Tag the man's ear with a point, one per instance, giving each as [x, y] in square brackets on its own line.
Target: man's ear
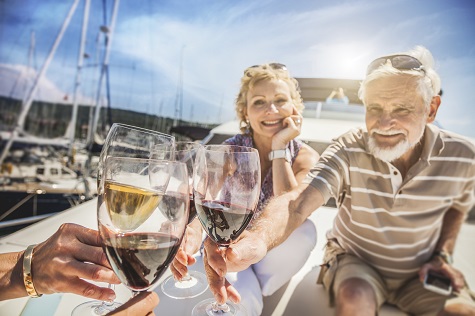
[433, 108]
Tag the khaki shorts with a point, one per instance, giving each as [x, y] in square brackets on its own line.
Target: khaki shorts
[409, 295]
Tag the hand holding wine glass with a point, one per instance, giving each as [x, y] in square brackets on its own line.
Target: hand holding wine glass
[123, 141]
[193, 283]
[142, 217]
[226, 184]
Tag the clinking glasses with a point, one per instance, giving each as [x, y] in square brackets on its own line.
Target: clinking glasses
[400, 62]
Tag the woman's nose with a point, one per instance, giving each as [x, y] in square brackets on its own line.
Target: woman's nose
[272, 108]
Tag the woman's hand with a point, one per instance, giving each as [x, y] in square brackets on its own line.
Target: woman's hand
[142, 304]
[72, 255]
[189, 246]
[292, 128]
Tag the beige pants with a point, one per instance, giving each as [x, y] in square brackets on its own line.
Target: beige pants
[409, 295]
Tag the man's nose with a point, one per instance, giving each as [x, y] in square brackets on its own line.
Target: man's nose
[386, 119]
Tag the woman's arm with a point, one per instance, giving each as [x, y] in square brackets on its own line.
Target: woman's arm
[286, 177]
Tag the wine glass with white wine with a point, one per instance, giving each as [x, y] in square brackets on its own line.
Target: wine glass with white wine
[124, 141]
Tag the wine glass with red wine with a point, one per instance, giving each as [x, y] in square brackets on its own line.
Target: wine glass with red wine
[194, 283]
[226, 186]
[142, 217]
[124, 141]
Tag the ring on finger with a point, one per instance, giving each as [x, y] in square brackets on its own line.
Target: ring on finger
[298, 121]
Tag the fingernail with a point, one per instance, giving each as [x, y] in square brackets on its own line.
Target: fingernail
[111, 297]
[236, 253]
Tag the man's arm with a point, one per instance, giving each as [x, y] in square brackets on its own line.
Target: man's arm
[451, 225]
[278, 220]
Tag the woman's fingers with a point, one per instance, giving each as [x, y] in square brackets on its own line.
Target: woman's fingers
[141, 304]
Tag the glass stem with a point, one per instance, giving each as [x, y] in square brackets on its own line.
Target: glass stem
[220, 307]
[186, 277]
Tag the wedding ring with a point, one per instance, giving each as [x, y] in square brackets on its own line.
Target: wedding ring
[298, 121]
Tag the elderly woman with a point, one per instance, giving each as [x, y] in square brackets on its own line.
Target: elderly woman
[268, 106]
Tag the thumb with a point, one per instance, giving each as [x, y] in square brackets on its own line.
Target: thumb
[141, 304]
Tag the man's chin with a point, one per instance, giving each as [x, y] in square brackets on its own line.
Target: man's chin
[389, 153]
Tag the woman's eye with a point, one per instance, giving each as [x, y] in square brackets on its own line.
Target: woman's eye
[259, 103]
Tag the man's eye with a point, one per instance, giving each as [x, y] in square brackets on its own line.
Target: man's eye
[402, 111]
[374, 109]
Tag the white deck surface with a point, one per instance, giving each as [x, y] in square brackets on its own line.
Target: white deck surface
[300, 297]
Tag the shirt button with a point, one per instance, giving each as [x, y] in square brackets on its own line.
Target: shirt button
[395, 173]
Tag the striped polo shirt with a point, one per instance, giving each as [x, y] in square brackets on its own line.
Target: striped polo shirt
[390, 222]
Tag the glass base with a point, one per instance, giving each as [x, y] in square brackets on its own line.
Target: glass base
[94, 308]
[196, 285]
[209, 307]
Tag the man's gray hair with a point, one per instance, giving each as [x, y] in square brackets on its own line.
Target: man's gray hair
[429, 80]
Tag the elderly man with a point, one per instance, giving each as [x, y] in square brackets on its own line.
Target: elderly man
[403, 188]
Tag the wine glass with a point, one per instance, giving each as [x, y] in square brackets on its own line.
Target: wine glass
[226, 186]
[124, 141]
[142, 217]
[193, 283]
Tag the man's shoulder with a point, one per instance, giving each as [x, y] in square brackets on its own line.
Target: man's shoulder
[355, 137]
[453, 140]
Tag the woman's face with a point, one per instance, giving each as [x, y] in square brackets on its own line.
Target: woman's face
[268, 103]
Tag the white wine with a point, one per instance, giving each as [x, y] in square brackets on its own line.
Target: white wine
[129, 206]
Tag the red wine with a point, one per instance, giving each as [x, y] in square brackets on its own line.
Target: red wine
[223, 222]
[192, 214]
[140, 259]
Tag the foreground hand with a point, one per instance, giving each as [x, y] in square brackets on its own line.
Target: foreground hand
[189, 246]
[142, 304]
[437, 265]
[248, 249]
[62, 262]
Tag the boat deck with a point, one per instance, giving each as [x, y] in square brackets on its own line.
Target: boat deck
[301, 296]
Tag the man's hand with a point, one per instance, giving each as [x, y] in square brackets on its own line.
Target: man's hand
[438, 265]
[246, 250]
[142, 304]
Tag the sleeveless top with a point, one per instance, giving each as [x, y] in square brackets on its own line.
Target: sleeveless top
[267, 190]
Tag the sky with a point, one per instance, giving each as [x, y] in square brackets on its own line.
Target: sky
[212, 42]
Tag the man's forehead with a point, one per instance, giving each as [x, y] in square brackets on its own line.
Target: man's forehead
[393, 86]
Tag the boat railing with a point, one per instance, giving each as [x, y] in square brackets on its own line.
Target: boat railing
[23, 201]
[23, 221]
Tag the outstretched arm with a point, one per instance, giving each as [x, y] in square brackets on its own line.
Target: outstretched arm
[279, 219]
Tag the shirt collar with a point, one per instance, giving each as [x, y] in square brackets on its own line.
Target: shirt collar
[433, 143]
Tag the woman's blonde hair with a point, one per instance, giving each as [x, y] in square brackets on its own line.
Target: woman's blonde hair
[256, 74]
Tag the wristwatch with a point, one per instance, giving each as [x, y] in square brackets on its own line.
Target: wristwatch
[444, 256]
[280, 153]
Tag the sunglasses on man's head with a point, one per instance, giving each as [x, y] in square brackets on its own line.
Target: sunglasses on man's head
[400, 62]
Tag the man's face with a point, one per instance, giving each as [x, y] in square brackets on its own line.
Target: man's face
[395, 116]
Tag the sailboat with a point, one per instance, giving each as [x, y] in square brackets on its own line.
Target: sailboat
[31, 189]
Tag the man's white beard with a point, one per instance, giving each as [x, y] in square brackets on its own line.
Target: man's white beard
[390, 154]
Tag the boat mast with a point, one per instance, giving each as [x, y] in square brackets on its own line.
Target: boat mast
[29, 100]
[105, 63]
[71, 131]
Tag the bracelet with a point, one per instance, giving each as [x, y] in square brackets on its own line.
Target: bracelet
[446, 257]
[27, 276]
